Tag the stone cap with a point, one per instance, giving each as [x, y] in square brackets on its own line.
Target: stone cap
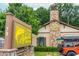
[7, 50]
[53, 7]
[9, 13]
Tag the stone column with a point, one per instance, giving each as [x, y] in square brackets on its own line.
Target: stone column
[8, 31]
[54, 15]
[54, 25]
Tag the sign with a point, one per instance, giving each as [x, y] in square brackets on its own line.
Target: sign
[22, 35]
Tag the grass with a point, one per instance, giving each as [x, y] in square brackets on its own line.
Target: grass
[47, 53]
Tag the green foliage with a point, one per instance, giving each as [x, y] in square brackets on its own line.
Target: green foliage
[46, 49]
[68, 13]
[36, 18]
[43, 14]
[26, 14]
[2, 24]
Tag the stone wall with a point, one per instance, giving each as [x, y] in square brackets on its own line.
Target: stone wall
[8, 52]
[54, 27]
[28, 51]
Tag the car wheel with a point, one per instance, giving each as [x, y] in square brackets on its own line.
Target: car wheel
[71, 53]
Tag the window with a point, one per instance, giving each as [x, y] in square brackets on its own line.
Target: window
[41, 41]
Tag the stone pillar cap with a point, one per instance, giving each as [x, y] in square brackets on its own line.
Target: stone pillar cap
[8, 49]
[9, 13]
[53, 7]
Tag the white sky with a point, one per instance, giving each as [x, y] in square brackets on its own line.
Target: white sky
[36, 5]
[3, 6]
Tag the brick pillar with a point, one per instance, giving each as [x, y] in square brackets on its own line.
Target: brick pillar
[54, 26]
[8, 31]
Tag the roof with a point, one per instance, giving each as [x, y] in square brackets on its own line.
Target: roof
[61, 23]
[70, 37]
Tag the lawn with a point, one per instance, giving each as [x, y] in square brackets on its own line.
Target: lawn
[47, 54]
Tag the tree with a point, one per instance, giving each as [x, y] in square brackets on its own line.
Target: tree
[43, 14]
[2, 24]
[26, 14]
[68, 13]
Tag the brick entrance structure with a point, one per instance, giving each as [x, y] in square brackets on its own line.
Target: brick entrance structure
[11, 46]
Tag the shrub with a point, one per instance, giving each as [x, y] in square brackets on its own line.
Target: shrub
[46, 49]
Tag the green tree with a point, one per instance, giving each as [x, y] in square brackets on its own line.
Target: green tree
[68, 13]
[43, 14]
[2, 24]
[26, 14]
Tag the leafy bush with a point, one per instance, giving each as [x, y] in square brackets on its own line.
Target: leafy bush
[46, 49]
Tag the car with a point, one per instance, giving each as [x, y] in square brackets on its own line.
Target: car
[1, 42]
[69, 46]
[70, 51]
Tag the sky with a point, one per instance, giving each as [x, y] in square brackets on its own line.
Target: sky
[36, 5]
[3, 6]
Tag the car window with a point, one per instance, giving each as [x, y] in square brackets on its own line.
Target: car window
[77, 45]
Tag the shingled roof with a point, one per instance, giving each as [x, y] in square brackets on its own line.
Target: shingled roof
[62, 23]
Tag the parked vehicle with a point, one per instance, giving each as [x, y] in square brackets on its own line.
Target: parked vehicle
[70, 51]
[1, 42]
[70, 47]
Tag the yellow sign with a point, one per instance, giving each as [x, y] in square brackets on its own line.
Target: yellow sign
[22, 36]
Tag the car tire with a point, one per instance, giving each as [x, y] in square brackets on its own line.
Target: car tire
[71, 53]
